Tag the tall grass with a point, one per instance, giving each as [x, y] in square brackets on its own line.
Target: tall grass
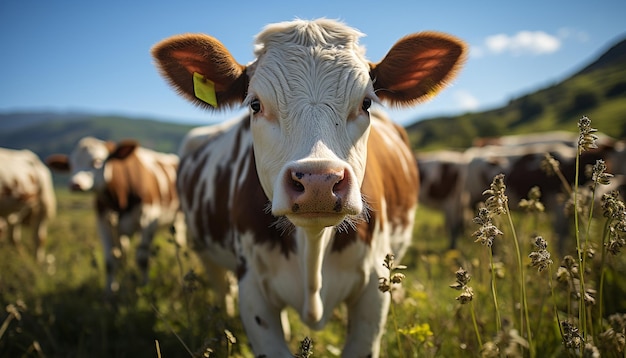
[575, 305]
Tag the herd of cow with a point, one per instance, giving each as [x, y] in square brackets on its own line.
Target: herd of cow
[454, 181]
[303, 198]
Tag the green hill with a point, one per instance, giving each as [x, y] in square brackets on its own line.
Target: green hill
[598, 91]
[47, 133]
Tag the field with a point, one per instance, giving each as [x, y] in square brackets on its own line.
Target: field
[58, 309]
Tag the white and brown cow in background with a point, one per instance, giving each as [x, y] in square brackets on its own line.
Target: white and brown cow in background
[26, 197]
[522, 167]
[304, 197]
[441, 188]
[134, 191]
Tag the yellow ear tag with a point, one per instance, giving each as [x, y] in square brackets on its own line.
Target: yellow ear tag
[204, 89]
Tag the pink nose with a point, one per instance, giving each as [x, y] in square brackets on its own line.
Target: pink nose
[321, 191]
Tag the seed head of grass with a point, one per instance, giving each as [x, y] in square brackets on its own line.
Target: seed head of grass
[533, 203]
[306, 348]
[550, 165]
[462, 278]
[591, 351]
[497, 201]
[584, 197]
[586, 138]
[490, 350]
[614, 338]
[571, 335]
[511, 342]
[384, 283]
[540, 257]
[487, 232]
[617, 240]
[599, 174]
[613, 207]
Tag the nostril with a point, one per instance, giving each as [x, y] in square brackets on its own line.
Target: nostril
[296, 184]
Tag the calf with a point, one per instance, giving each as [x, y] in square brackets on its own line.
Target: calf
[134, 191]
[26, 197]
[305, 195]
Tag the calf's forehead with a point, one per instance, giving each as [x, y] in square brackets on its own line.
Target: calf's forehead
[88, 150]
[310, 63]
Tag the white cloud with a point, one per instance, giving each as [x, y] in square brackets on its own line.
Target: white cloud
[465, 100]
[524, 42]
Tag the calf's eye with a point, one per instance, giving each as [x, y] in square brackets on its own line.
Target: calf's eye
[367, 103]
[255, 106]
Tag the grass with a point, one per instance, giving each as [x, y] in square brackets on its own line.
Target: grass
[57, 309]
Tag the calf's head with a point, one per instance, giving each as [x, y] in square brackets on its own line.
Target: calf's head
[309, 92]
[86, 162]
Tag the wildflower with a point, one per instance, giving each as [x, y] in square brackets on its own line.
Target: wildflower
[421, 332]
[541, 257]
[487, 232]
[571, 335]
[533, 204]
[586, 138]
[497, 200]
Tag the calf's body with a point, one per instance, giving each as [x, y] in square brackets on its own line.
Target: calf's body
[304, 197]
[26, 197]
[134, 191]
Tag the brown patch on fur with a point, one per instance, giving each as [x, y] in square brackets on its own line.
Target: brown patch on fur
[131, 184]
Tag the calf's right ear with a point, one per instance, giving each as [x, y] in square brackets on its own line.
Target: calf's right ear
[58, 162]
[198, 63]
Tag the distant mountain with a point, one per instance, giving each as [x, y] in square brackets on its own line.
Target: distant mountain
[597, 91]
[47, 133]
[616, 55]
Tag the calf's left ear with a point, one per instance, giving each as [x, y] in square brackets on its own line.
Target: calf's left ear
[123, 149]
[191, 61]
[58, 162]
[417, 67]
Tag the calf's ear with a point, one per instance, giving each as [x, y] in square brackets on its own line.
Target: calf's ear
[123, 149]
[417, 67]
[58, 162]
[202, 70]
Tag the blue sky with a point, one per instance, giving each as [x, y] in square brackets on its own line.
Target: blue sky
[94, 56]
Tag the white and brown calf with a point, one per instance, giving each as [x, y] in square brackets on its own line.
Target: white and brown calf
[134, 191]
[26, 197]
[305, 196]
